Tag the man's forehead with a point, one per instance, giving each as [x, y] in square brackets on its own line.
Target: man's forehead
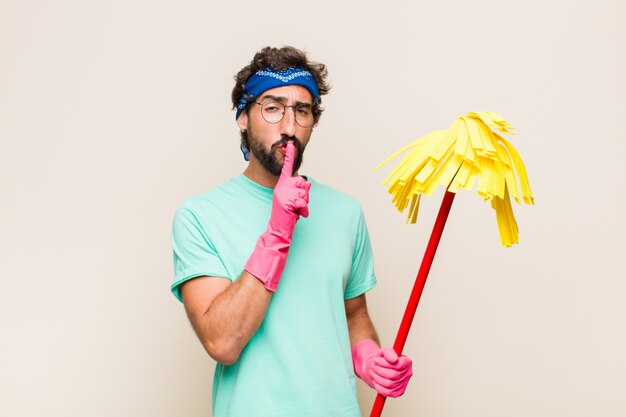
[287, 93]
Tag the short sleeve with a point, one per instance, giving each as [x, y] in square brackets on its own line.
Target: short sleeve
[362, 277]
[193, 251]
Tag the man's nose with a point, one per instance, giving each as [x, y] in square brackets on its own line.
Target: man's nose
[288, 124]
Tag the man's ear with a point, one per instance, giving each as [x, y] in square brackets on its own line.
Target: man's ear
[242, 120]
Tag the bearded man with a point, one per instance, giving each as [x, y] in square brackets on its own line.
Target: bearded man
[273, 266]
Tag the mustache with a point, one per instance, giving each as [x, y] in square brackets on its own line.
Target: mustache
[298, 145]
[284, 140]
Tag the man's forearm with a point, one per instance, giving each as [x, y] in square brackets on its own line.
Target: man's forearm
[233, 318]
[360, 327]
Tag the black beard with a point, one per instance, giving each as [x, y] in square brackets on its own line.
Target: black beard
[269, 160]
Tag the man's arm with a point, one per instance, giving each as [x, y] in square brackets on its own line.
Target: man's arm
[360, 325]
[225, 315]
[381, 369]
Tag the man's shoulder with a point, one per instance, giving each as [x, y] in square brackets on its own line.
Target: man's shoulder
[330, 195]
[211, 197]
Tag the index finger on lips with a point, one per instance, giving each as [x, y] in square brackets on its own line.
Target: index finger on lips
[287, 170]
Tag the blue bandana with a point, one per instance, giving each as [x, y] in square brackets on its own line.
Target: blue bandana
[267, 78]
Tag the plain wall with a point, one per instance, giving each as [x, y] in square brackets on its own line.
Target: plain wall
[113, 112]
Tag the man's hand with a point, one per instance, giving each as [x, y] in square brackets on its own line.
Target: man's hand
[291, 196]
[382, 369]
[290, 201]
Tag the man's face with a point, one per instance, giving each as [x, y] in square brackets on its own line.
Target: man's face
[268, 141]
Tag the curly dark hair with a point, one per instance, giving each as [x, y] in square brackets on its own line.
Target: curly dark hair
[280, 59]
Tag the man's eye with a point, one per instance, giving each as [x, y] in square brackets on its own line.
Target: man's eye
[304, 110]
[271, 109]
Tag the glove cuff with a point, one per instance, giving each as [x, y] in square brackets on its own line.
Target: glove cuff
[268, 259]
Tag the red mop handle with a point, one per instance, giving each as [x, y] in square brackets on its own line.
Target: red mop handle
[416, 293]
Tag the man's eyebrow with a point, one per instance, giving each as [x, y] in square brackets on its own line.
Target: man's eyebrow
[283, 99]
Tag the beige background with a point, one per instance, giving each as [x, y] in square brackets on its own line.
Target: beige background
[111, 113]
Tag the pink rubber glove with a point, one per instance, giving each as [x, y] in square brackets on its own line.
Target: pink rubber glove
[290, 201]
[382, 369]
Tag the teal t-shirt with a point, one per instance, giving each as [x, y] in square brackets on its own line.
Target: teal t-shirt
[298, 363]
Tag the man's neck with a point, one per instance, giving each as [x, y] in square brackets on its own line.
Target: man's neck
[261, 177]
[257, 173]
